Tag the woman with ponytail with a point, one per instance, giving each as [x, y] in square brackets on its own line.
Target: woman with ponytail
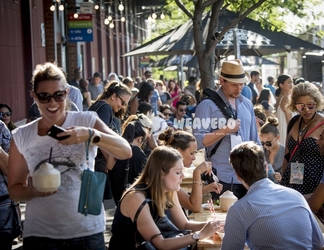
[284, 115]
[123, 173]
[114, 98]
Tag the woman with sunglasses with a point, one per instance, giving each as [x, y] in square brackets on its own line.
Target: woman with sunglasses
[114, 98]
[52, 219]
[273, 149]
[303, 166]
[185, 143]
[5, 114]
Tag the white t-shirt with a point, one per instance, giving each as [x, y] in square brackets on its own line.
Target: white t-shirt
[57, 216]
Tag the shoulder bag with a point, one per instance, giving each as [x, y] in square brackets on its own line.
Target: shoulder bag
[10, 223]
[92, 188]
[167, 229]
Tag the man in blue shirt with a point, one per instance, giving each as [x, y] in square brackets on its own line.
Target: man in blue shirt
[269, 216]
[255, 77]
[270, 85]
[210, 125]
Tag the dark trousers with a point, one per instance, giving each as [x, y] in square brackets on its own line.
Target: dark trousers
[238, 190]
[92, 242]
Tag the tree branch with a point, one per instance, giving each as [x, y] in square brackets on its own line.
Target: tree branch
[233, 23]
[183, 8]
[209, 3]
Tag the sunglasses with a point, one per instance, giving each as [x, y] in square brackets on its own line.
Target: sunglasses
[166, 114]
[58, 96]
[267, 143]
[182, 110]
[302, 106]
[124, 103]
[5, 113]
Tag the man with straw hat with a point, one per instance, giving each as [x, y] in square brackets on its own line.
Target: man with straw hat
[219, 133]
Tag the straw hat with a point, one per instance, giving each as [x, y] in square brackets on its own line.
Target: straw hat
[233, 71]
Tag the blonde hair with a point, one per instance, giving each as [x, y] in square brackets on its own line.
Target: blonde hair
[305, 89]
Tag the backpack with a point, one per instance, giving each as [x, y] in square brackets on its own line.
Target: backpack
[226, 110]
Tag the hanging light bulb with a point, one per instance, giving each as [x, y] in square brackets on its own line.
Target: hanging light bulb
[106, 21]
[76, 15]
[58, 1]
[121, 6]
[111, 25]
[96, 7]
[154, 16]
[162, 16]
[123, 19]
[150, 18]
[52, 8]
[109, 18]
[61, 7]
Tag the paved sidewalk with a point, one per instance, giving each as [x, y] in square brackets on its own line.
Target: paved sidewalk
[110, 211]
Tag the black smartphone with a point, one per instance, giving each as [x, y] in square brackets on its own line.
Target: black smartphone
[54, 130]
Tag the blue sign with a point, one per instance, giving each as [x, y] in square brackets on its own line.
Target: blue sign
[80, 34]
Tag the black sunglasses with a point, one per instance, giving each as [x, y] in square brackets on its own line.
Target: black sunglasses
[166, 114]
[182, 110]
[124, 103]
[267, 143]
[5, 113]
[58, 96]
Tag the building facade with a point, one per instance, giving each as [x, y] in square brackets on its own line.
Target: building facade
[32, 32]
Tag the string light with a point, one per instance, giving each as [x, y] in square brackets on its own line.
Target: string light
[123, 19]
[162, 16]
[96, 7]
[121, 6]
[52, 8]
[111, 25]
[154, 16]
[76, 15]
[61, 7]
[106, 21]
[109, 18]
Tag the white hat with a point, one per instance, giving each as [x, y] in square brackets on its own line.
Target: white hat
[233, 71]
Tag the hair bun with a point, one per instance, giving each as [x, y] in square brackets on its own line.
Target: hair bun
[273, 121]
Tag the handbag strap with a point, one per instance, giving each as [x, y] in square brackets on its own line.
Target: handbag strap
[147, 200]
[311, 131]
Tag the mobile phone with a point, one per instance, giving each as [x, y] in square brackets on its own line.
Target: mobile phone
[54, 130]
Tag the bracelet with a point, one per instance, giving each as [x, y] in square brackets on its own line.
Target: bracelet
[197, 182]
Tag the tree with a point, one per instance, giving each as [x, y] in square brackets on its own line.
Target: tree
[260, 10]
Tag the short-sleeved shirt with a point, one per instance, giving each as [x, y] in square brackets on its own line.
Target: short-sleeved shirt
[95, 91]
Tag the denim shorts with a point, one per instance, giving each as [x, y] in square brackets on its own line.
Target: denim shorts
[92, 242]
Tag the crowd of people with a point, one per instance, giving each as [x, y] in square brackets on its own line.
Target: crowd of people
[266, 147]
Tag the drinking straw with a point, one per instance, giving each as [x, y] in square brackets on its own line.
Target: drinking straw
[50, 156]
[232, 185]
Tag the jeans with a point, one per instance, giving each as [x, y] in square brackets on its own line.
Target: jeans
[92, 242]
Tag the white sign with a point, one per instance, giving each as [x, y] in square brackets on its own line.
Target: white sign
[86, 8]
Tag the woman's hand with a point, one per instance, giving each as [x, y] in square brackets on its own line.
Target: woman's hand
[204, 167]
[210, 229]
[35, 193]
[76, 135]
[277, 176]
[212, 187]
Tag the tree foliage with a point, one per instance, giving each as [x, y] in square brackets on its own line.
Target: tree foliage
[271, 14]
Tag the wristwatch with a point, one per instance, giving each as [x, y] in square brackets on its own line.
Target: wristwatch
[95, 139]
[195, 236]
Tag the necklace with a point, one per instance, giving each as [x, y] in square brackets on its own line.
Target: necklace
[307, 124]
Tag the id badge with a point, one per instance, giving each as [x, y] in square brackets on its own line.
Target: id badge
[296, 173]
[235, 140]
